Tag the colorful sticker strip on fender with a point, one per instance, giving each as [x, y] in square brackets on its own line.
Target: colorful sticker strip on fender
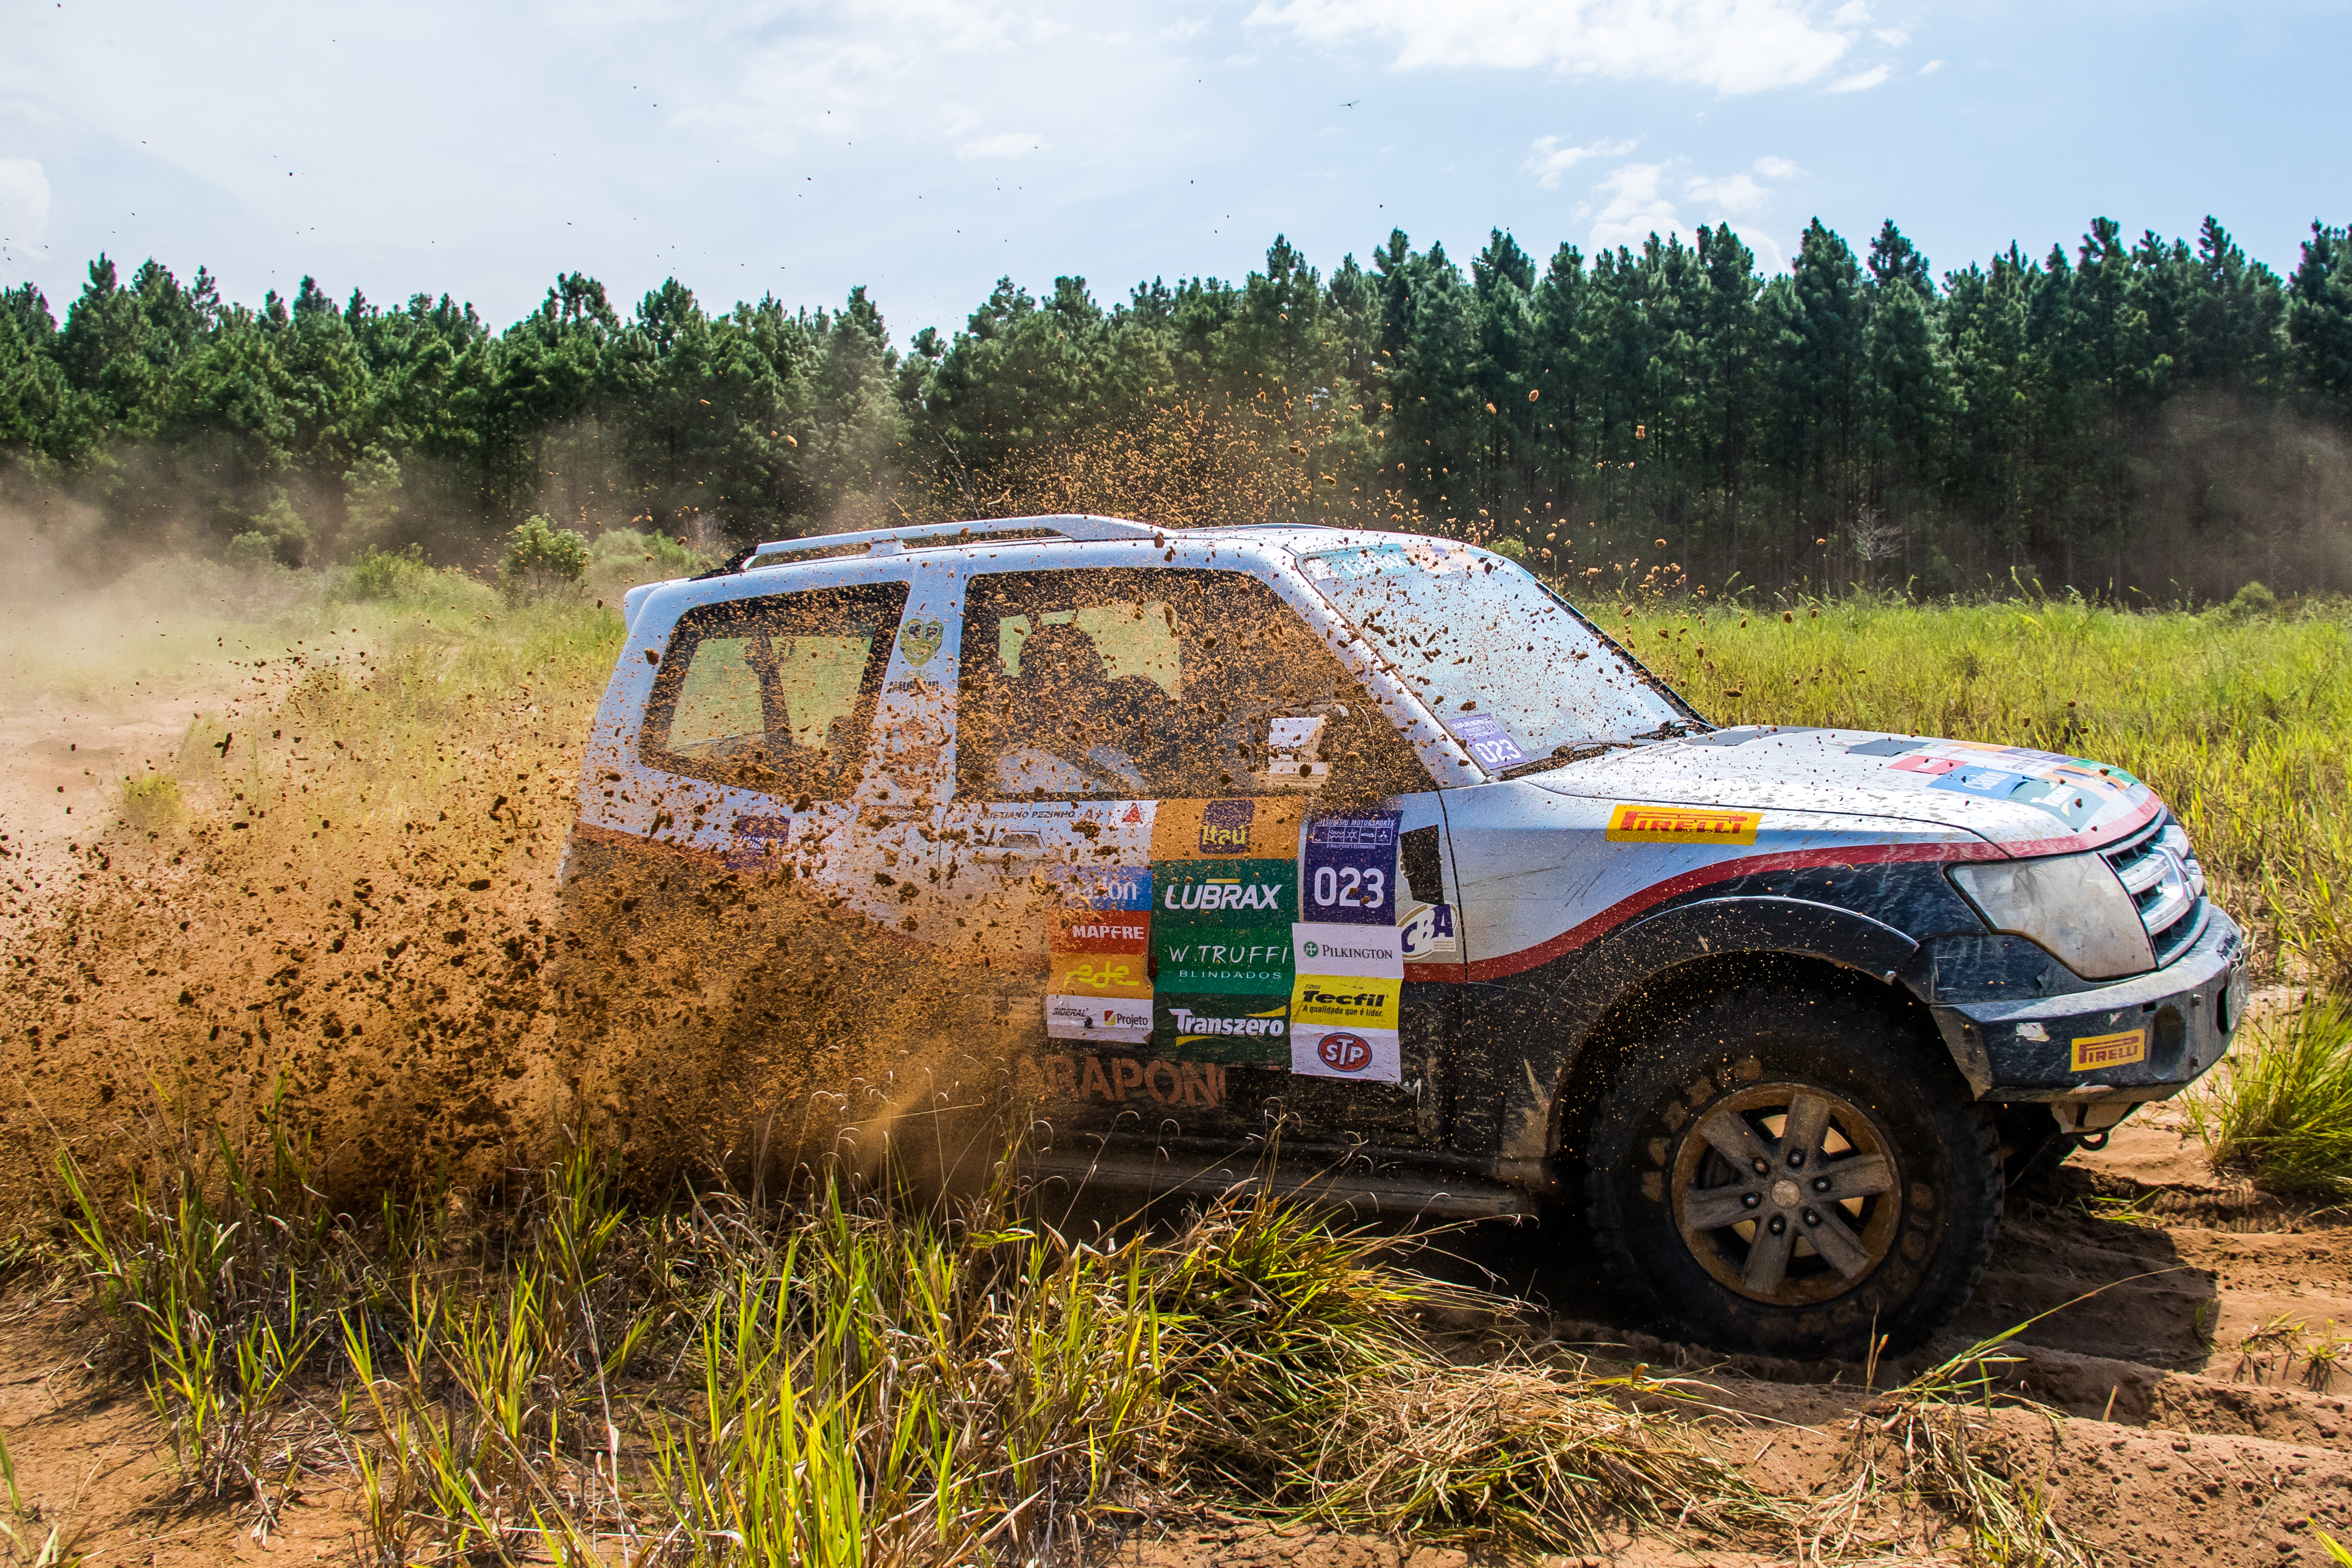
[1099, 983]
[1243, 1031]
[1682, 824]
[1350, 869]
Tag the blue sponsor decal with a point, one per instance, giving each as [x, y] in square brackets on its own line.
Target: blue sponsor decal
[1484, 737]
[1992, 783]
[1350, 869]
[1104, 887]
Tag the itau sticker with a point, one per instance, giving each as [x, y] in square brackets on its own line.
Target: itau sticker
[1225, 829]
[1350, 869]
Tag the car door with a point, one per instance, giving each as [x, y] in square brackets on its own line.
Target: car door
[1179, 834]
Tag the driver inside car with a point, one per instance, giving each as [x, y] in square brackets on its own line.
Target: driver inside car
[1062, 731]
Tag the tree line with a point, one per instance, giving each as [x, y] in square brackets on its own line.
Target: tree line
[2153, 417]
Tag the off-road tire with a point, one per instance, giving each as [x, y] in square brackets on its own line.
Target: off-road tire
[1729, 1057]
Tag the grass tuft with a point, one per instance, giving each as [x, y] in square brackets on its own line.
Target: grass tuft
[2278, 1108]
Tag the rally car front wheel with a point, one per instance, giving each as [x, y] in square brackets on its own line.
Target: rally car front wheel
[1792, 1173]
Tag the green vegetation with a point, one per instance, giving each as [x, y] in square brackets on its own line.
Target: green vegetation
[541, 559]
[2149, 420]
[842, 1379]
[2279, 1109]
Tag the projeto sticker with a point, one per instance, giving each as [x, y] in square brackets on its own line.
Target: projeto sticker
[1350, 869]
[1372, 1055]
[1112, 1020]
[1371, 952]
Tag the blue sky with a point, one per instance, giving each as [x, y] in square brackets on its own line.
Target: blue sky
[927, 147]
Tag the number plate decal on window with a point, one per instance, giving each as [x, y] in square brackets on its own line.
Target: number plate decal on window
[1486, 740]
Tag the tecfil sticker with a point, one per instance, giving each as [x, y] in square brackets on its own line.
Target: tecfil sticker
[1350, 869]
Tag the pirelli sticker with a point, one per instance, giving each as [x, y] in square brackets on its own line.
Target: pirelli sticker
[1682, 824]
[2094, 1052]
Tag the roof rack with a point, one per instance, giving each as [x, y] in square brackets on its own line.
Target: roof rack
[1077, 526]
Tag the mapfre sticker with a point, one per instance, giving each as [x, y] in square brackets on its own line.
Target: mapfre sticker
[1681, 825]
[2093, 1052]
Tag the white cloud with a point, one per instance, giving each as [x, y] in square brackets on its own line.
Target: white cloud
[1862, 81]
[1548, 160]
[1634, 207]
[1009, 144]
[1635, 203]
[1931, 67]
[1734, 196]
[24, 200]
[1892, 37]
[1732, 46]
[1853, 14]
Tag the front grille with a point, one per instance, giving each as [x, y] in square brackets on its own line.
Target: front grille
[2160, 872]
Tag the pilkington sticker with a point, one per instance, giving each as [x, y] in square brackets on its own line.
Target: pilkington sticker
[2093, 1052]
[1682, 824]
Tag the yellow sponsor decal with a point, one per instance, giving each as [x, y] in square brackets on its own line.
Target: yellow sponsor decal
[2093, 1052]
[1682, 824]
[1237, 829]
[1345, 1002]
[1101, 974]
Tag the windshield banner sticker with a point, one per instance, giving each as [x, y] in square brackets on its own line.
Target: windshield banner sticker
[1350, 869]
[1682, 824]
[1484, 738]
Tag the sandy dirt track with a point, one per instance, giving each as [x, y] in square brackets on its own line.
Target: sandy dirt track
[2206, 1454]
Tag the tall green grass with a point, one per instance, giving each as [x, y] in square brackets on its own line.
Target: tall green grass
[2278, 1108]
[2242, 724]
[845, 1379]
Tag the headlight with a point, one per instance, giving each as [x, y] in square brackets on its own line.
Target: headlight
[2070, 904]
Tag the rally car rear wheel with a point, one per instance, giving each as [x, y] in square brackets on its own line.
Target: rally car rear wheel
[1794, 1174]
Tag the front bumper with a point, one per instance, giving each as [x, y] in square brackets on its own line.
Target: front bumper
[2184, 1014]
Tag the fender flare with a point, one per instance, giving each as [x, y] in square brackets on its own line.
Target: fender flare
[1631, 958]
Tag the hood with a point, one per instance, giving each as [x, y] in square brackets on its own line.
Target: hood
[2028, 802]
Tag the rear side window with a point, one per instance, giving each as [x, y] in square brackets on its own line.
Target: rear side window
[775, 694]
[1115, 682]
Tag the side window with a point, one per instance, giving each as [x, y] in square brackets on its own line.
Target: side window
[1117, 682]
[775, 694]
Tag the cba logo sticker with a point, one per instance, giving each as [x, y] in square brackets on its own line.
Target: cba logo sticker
[1344, 1052]
[1225, 826]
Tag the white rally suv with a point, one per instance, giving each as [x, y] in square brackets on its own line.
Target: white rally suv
[1367, 856]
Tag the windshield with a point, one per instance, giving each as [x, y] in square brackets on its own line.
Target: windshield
[1503, 662]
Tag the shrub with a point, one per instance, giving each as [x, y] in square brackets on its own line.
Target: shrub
[251, 551]
[543, 559]
[621, 558]
[281, 528]
[2252, 601]
[151, 799]
[382, 574]
[2280, 1110]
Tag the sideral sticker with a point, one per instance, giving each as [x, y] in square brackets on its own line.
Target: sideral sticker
[1334, 950]
[1367, 1055]
[1682, 824]
[1110, 1020]
[2093, 1052]
[1427, 933]
[1350, 869]
[1484, 737]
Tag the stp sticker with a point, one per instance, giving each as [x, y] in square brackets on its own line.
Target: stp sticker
[2093, 1052]
[1367, 1055]
[1682, 824]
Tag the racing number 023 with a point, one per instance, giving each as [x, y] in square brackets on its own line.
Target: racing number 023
[1349, 888]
